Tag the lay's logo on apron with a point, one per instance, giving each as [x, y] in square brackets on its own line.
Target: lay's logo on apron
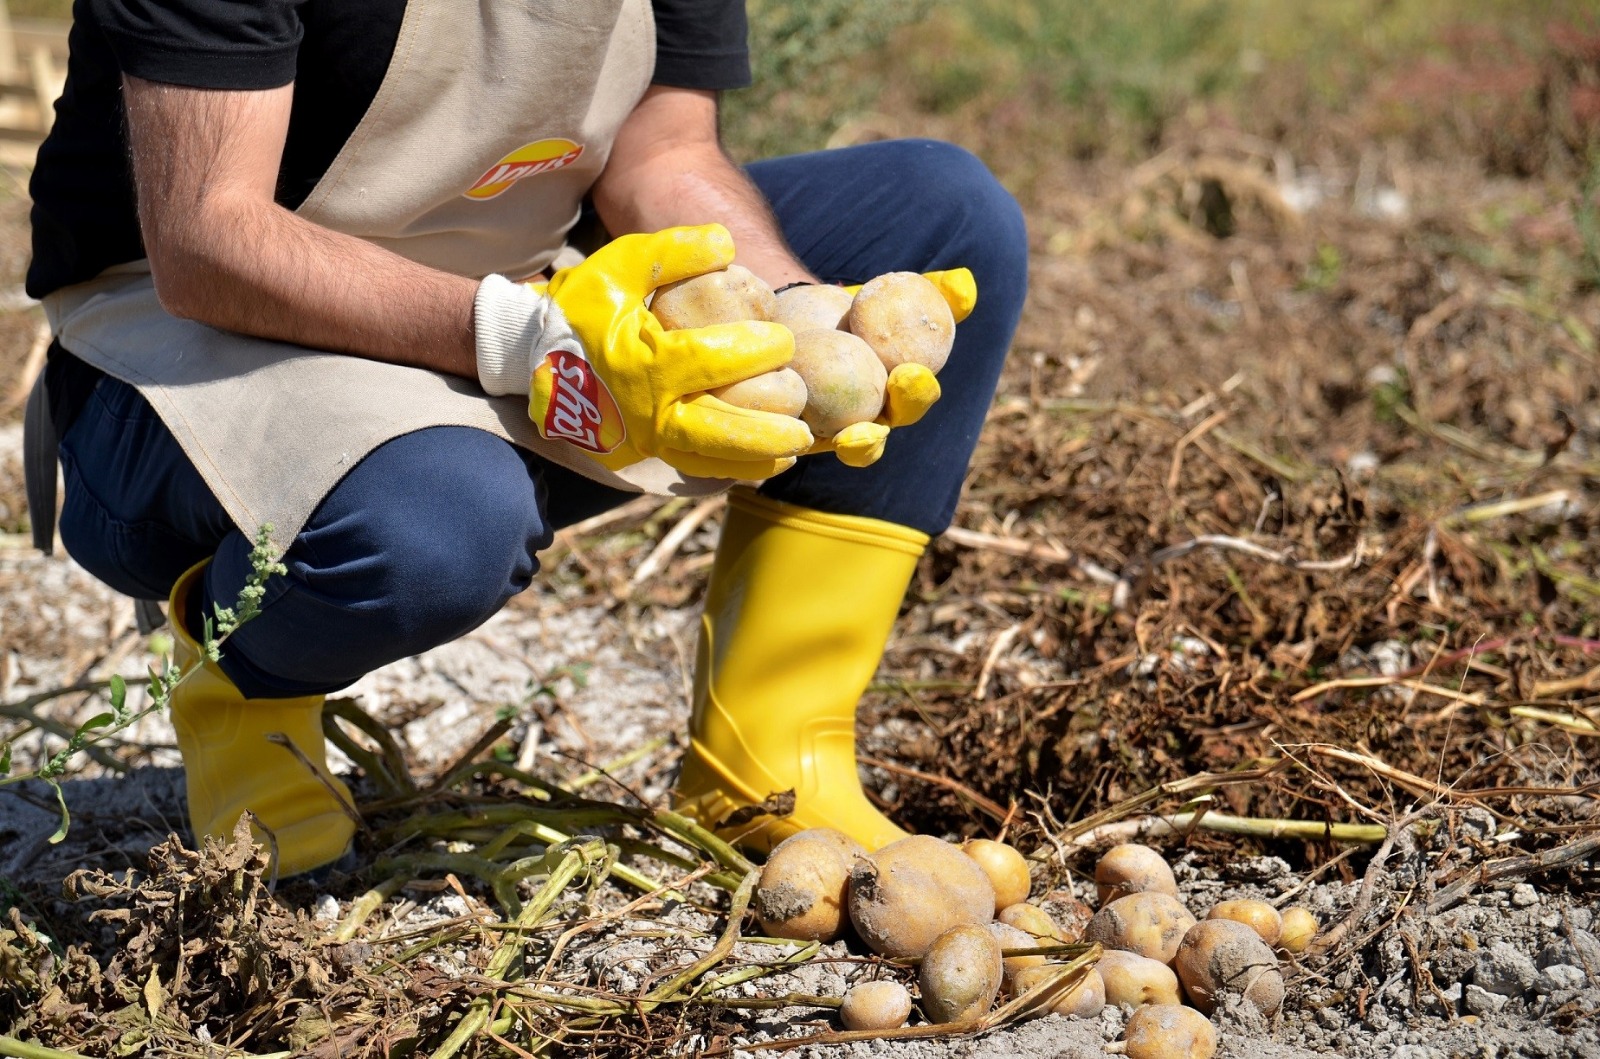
[541, 156]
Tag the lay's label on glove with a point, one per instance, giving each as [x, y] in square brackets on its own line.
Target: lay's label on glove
[570, 403]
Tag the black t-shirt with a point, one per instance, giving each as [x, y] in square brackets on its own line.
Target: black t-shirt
[335, 51]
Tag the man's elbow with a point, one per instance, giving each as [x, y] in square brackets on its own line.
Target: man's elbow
[176, 292]
[187, 273]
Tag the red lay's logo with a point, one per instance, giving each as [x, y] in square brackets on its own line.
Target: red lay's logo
[542, 156]
[578, 407]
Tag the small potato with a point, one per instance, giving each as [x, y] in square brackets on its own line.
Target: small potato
[1010, 937]
[724, 297]
[1006, 868]
[782, 391]
[1132, 980]
[844, 381]
[808, 308]
[1150, 924]
[1299, 927]
[1033, 921]
[801, 892]
[1257, 915]
[1070, 915]
[1132, 869]
[911, 891]
[960, 974]
[1220, 957]
[1170, 1031]
[1085, 999]
[905, 320]
[875, 1006]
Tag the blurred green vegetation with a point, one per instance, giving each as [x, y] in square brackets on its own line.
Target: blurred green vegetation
[809, 60]
[1082, 78]
[40, 8]
[1092, 76]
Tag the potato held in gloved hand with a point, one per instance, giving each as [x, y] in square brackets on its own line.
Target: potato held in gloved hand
[865, 357]
[605, 376]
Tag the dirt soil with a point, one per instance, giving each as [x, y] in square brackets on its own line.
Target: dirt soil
[1290, 486]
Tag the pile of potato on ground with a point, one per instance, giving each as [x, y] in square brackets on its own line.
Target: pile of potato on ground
[963, 913]
[845, 345]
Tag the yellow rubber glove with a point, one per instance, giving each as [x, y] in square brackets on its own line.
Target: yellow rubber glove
[603, 375]
[912, 389]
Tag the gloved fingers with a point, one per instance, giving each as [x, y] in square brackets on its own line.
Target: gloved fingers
[697, 359]
[859, 444]
[959, 289]
[719, 430]
[911, 391]
[698, 466]
[638, 264]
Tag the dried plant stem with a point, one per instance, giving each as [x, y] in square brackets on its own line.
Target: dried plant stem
[500, 964]
[1514, 868]
[23, 1050]
[1182, 823]
[1189, 785]
[390, 765]
[662, 554]
[361, 908]
[989, 807]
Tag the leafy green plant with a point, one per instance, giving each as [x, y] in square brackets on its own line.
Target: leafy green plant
[162, 684]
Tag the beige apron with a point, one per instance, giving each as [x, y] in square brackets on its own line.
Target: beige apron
[473, 158]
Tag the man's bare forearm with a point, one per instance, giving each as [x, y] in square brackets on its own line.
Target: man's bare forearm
[284, 278]
[698, 185]
[224, 253]
[667, 169]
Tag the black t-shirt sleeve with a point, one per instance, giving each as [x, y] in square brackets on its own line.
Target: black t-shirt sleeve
[701, 44]
[228, 44]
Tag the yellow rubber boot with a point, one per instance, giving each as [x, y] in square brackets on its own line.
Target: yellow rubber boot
[230, 765]
[797, 615]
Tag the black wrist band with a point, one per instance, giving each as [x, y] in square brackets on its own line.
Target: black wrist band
[796, 283]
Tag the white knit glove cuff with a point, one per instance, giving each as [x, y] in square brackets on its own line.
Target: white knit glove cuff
[509, 320]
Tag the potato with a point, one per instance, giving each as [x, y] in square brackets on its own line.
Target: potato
[1006, 868]
[817, 305]
[782, 391]
[905, 320]
[1132, 980]
[1150, 924]
[1257, 915]
[1299, 927]
[801, 892]
[1010, 937]
[1132, 869]
[875, 1006]
[848, 847]
[844, 381]
[1084, 999]
[1220, 957]
[960, 974]
[724, 297]
[1033, 921]
[911, 891]
[1070, 915]
[1170, 1031]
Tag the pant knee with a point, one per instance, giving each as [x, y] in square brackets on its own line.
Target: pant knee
[425, 540]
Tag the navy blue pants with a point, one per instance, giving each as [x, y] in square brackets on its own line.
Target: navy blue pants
[433, 532]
